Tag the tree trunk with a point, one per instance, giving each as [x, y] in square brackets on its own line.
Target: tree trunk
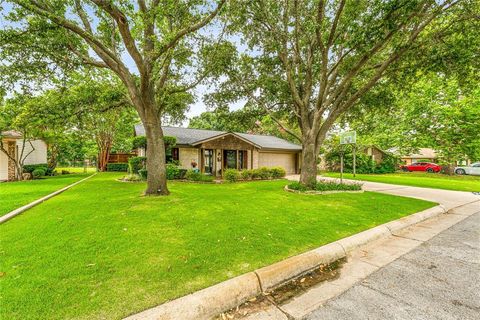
[156, 171]
[308, 176]
[53, 157]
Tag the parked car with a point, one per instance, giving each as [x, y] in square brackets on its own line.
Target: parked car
[422, 166]
[473, 169]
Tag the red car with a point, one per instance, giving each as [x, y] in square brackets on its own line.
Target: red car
[422, 166]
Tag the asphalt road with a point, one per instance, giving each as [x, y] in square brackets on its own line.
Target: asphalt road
[438, 280]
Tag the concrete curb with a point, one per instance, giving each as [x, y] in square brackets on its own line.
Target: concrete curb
[17, 211]
[210, 302]
[206, 303]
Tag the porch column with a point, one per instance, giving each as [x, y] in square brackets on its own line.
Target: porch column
[11, 148]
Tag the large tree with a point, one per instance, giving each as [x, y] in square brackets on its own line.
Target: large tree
[315, 59]
[158, 37]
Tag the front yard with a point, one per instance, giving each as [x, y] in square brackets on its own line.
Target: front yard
[99, 251]
[16, 194]
[419, 179]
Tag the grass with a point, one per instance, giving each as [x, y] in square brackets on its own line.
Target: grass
[16, 194]
[100, 250]
[419, 179]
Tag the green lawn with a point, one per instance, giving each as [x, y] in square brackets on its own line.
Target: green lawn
[101, 251]
[419, 179]
[16, 194]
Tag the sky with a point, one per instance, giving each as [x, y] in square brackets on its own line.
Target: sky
[196, 108]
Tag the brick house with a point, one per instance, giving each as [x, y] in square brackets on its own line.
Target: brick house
[213, 151]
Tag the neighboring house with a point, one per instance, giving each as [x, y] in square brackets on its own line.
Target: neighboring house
[213, 151]
[13, 143]
[424, 154]
[375, 153]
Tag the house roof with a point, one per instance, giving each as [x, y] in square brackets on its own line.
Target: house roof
[423, 153]
[189, 136]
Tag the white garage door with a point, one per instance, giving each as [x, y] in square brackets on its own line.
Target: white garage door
[284, 160]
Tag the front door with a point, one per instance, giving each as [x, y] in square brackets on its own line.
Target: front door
[208, 161]
[230, 159]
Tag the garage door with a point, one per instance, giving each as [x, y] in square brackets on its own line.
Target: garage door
[284, 160]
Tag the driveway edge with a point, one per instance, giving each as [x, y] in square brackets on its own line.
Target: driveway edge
[211, 301]
[17, 211]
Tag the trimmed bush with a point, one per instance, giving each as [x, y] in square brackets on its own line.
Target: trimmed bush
[326, 186]
[277, 172]
[182, 173]
[231, 175]
[65, 172]
[122, 167]
[173, 171]
[135, 164]
[194, 175]
[264, 173]
[143, 174]
[31, 167]
[246, 174]
[37, 173]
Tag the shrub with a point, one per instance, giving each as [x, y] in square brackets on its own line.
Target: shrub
[31, 167]
[231, 175]
[277, 172]
[182, 173]
[264, 173]
[39, 172]
[326, 186]
[117, 167]
[143, 174]
[246, 174]
[173, 171]
[255, 173]
[194, 175]
[297, 186]
[65, 172]
[135, 164]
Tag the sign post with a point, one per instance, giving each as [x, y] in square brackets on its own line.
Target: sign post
[349, 137]
[341, 165]
[354, 159]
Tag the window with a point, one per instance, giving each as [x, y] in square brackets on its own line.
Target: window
[208, 161]
[172, 155]
[242, 159]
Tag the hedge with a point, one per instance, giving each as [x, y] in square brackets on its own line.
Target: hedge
[123, 167]
[31, 167]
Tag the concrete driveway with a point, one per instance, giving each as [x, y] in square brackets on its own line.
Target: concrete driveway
[449, 199]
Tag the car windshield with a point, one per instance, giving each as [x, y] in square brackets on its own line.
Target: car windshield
[476, 165]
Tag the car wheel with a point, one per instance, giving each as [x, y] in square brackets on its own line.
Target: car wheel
[460, 171]
[404, 169]
[430, 170]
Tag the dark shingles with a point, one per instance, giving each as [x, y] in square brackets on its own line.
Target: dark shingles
[188, 136]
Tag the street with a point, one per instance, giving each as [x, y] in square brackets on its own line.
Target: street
[440, 279]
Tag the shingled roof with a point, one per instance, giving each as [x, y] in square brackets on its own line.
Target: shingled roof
[189, 136]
